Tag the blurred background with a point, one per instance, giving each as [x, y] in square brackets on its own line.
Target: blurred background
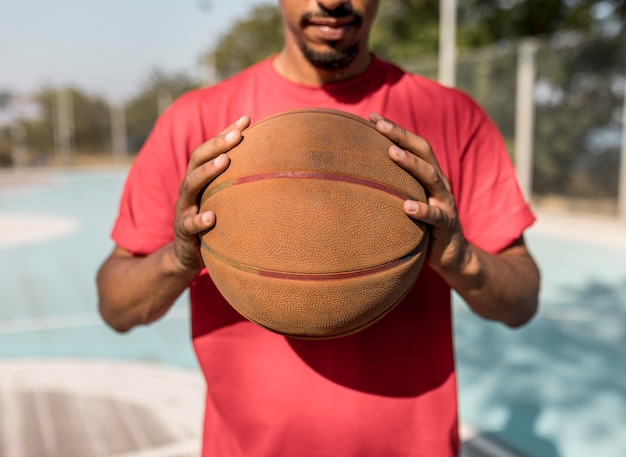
[81, 84]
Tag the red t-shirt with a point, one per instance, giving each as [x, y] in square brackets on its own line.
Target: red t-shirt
[389, 390]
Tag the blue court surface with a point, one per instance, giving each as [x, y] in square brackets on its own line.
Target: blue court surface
[555, 388]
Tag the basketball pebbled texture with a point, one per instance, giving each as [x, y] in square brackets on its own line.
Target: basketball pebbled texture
[311, 239]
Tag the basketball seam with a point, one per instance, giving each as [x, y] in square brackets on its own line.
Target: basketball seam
[324, 111]
[313, 336]
[310, 175]
[316, 276]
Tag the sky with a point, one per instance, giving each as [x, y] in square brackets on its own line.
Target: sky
[107, 47]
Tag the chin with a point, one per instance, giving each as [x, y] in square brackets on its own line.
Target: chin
[331, 59]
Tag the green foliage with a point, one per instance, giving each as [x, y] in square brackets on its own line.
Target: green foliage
[406, 30]
[484, 22]
[40, 131]
[157, 92]
[578, 105]
[489, 75]
[578, 118]
[248, 41]
[91, 123]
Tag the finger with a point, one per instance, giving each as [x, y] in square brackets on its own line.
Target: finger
[223, 142]
[429, 214]
[197, 223]
[405, 139]
[431, 178]
[195, 180]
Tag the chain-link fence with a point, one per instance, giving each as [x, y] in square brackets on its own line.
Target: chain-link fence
[577, 102]
[579, 98]
[574, 128]
[66, 126]
[578, 107]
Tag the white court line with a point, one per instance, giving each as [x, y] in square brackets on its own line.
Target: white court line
[598, 230]
[474, 444]
[96, 439]
[23, 229]
[134, 428]
[45, 422]
[49, 323]
[174, 396]
[11, 423]
[564, 315]
[580, 315]
[61, 322]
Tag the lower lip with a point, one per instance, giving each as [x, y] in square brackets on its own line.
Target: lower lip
[332, 33]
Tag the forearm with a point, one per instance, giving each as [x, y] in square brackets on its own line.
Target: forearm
[501, 287]
[136, 290]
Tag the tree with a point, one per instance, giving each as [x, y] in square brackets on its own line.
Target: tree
[248, 41]
[578, 116]
[483, 22]
[40, 130]
[90, 123]
[158, 91]
[407, 31]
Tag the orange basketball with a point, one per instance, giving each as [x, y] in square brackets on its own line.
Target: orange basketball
[311, 239]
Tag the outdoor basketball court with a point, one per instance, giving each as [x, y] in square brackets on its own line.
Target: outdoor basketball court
[69, 386]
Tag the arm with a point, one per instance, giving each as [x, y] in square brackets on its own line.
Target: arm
[502, 287]
[136, 290]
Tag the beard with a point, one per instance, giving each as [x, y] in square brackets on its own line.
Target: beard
[335, 59]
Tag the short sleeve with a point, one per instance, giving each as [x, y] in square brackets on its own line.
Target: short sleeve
[492, 209]
[147, 207]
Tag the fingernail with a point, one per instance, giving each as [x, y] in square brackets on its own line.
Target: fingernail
[220, 159]
[397, 152]
[206, 218]
[232, 135]
[410, 206]
[385, 125]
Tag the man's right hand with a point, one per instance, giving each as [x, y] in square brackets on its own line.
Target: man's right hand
[136, 290]
[206, 162]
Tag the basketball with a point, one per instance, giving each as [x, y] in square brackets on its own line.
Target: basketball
[311, 239]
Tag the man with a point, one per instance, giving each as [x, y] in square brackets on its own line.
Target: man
[388, 390]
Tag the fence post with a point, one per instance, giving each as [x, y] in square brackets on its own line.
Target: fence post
[447, 42]
[525, 114]
[64, 126]
[118, 130]
[19, 145]
[164, 99]
[621, 197]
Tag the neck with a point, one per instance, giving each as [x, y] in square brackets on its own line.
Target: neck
[293, 65]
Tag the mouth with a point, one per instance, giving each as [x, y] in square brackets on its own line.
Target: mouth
[332, 28]
[331, 21]
[331, 32]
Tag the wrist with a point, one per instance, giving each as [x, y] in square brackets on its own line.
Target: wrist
[464, 269]
[176, 263]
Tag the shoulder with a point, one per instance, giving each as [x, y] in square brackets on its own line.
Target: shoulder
[403, 80]
[214, 107]
[224, 88]
[445, 96]
[430, 108]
